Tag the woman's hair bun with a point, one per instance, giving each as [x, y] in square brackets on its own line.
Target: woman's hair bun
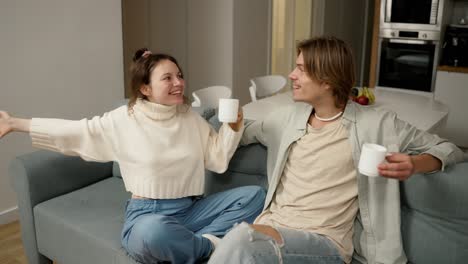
[139, 53]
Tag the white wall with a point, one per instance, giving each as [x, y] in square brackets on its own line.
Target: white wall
[251, 45]
[451, 89]
[59, 58]
[227, 43]
[168, 29]
[209, 43]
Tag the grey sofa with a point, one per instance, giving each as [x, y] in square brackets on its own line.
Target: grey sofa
[72, 211]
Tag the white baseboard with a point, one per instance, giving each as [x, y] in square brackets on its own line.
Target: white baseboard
[9, 215]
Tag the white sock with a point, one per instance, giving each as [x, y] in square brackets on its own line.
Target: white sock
[213, 239]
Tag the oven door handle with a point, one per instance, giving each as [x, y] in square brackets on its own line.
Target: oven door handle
[409, 41]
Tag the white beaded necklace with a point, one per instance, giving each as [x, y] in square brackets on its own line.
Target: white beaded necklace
[328, 119]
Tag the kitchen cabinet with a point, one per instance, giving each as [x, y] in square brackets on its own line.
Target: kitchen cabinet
[452, 89]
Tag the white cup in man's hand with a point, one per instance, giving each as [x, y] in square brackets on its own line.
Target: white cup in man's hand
[228, 110]
[371, 156]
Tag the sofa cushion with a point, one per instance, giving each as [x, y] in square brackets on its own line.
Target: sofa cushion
[435, 216]
[85, 225]
[214, 121]
[251, 159]
[116, 170]
[205, 112]
[247, 167]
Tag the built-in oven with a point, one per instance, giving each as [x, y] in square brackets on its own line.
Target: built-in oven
[408, 59]
[412, 14]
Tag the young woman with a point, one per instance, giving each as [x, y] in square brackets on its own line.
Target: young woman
[163, 149]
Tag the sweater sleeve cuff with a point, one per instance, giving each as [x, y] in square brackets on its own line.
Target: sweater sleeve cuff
[40, 135]
[232, 138]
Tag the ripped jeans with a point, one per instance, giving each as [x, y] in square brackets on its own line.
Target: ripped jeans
[157, 230]
[245, 245]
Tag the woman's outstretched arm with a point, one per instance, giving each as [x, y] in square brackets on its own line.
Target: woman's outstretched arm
[11, 124]
[91, 139]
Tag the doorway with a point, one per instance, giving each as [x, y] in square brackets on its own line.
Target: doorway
[291, 23]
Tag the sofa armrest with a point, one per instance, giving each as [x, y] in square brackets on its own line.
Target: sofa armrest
[43, 175]
[434, 216]
[441, 194]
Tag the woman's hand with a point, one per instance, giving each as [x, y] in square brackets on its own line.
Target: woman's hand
[9, 124]
[5, 124]
[240, 121]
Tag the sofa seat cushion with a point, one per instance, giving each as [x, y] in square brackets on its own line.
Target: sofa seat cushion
[84, 226]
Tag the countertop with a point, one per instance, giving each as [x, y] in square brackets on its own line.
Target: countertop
[452, 69]
[422, 111]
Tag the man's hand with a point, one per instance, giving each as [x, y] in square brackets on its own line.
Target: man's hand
[5, 125]
[400, 166]
[240, 120]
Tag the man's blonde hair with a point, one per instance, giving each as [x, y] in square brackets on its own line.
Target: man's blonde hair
[330, 60]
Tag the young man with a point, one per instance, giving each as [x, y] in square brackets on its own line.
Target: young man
[319, 208]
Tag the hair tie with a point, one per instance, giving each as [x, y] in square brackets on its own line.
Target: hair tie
[146, 54]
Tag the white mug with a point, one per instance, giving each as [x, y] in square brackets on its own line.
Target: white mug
[228, 110]
[371, 156]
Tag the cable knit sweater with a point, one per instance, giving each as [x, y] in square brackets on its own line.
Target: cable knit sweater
[162, 150]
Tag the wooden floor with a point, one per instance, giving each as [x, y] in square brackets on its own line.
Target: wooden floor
[11, 246]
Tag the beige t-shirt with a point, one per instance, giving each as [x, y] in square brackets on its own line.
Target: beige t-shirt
[318, 189]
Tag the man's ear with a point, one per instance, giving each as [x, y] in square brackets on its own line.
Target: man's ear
[145, 90]
[326, 86]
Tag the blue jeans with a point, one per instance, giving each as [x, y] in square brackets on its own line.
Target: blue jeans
[243, 245]
[157, 230]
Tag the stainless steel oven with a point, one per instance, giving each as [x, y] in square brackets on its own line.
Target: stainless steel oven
[408, 59]
[412, 14]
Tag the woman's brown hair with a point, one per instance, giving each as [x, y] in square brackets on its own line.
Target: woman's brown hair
[143, 65]
[330, 60]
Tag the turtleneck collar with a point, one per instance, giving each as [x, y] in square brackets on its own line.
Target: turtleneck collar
[155, 111]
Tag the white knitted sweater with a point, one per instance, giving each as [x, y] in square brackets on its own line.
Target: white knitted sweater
[162, 151]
